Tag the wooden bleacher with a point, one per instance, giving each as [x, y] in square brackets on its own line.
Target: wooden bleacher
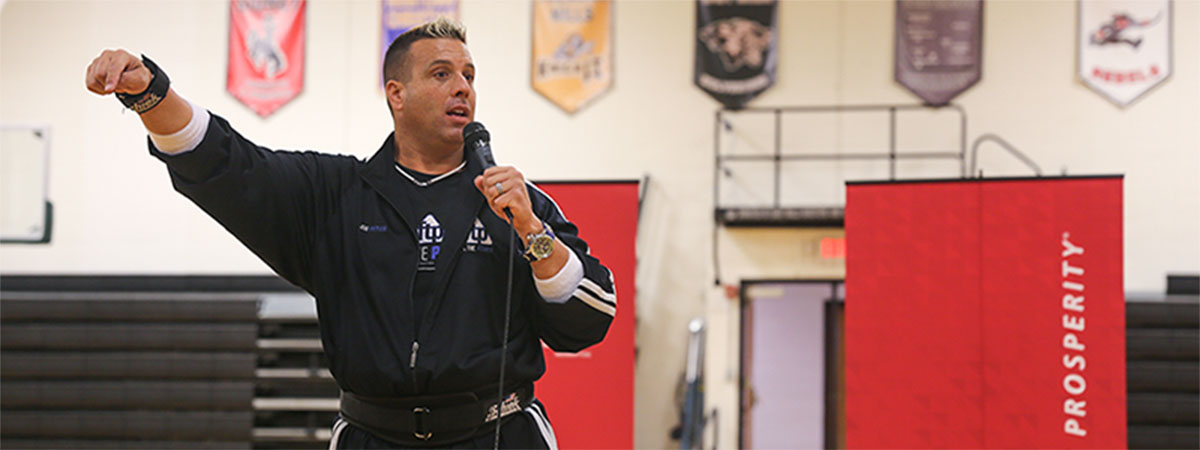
[1162, 346]
[161, 362]
[295, 399]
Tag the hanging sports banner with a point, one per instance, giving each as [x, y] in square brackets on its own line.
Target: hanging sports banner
[572, 51]
[401, 15]
[1124, 47]
[938, 47]
[736, 49]
[266, 53]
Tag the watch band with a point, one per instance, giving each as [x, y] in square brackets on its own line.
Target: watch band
[540, 245]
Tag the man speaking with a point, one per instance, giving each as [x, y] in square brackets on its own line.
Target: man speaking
[410, 270]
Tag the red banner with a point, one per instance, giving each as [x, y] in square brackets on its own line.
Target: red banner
[266, 53]
[985, 314]
[589, 394]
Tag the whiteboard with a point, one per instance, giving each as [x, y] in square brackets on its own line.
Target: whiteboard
[24, 161]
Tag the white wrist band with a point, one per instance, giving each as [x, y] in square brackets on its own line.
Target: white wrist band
[186, 139]
[558, 288]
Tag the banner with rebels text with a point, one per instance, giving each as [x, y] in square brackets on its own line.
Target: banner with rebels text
[737, 49]
[401, 15]
[1124, 47]
[266, 53]
[572, 51]
[985, 314]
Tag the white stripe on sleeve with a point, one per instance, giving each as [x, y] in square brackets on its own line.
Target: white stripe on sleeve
[586, 297]
[597, 291]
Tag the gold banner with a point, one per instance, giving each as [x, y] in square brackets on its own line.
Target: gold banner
[572, 51]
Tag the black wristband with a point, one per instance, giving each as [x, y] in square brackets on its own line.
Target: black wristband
[154, 93]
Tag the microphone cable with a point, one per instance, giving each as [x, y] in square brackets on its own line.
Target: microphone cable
[477, 145]
[512, 244]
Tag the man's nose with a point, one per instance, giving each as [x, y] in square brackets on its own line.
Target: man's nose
[462, 87]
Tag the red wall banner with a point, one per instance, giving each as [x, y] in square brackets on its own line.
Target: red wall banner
[266, 53]
[589, 394]
[985, 314]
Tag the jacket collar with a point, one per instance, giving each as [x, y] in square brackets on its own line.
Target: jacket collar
[381, 165]
[380, 173]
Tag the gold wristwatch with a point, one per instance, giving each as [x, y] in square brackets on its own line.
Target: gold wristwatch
[540, 245]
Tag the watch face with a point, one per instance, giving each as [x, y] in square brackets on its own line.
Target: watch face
[541, 246]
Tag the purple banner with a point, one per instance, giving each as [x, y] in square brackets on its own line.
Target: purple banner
[401, 15]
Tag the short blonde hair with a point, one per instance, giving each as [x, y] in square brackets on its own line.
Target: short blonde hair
[440, 28]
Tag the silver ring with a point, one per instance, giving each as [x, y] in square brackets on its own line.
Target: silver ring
[499, 189]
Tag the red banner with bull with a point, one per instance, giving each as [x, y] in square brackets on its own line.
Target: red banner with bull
[266, 53]
[1124, 47]
[985, 314]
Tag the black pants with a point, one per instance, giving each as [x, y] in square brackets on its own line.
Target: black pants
[528, 429]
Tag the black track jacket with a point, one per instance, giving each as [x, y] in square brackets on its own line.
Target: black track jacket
[332, 225]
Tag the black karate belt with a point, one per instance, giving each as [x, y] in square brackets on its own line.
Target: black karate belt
[430, 421]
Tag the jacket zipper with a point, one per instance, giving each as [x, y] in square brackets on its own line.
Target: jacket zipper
[412, 359]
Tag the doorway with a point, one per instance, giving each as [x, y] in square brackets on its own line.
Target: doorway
[791, 371]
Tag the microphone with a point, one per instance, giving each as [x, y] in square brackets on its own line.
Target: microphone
[477, 143]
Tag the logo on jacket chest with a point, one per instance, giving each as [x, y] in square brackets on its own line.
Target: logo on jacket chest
[429, 241]
[478, 240]
[372, 228]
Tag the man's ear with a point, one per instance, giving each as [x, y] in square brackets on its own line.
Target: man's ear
[394, 90]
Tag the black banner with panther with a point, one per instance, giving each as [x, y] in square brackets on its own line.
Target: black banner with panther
[736, 49]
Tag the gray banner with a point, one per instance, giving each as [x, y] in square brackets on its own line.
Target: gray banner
[938, 47]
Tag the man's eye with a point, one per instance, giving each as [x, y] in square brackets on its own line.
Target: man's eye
[470, 77]
[441, 74]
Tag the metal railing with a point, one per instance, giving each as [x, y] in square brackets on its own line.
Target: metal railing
[890, 154]
[989, 137]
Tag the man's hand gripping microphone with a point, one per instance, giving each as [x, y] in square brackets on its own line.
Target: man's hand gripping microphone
[477, 143]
